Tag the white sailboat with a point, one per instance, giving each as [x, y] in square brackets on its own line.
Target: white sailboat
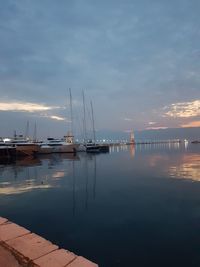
[91, 145]
[64, 145]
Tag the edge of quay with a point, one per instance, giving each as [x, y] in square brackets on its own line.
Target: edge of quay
[31, 250]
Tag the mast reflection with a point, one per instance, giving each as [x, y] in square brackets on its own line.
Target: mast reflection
[79, 181]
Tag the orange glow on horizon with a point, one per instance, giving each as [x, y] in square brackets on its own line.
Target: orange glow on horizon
[191, 124]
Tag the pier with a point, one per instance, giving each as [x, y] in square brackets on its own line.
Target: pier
[21, 248]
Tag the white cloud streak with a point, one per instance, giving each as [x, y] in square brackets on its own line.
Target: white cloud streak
[157, 128]
[58, 118]
[24, 107]
[128, 119]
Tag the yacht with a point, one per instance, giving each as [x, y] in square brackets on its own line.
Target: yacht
[60, 145]
[45, 149]
[93, 147]
[24, 147]
[195, 142]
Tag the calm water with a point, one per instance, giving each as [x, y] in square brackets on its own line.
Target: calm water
[131, 207]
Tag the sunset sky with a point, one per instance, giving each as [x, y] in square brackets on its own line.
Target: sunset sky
[137, 60]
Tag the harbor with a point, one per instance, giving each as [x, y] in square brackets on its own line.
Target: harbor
[17, 147]
[100, 133]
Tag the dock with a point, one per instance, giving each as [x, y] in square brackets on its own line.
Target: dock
[21, 248]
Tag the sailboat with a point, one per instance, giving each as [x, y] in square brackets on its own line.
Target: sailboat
[64, 145]
[91, 145]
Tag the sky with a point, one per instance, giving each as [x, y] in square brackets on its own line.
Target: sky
[138, 61]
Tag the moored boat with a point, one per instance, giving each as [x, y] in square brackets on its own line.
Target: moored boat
[61, 146]
[44, 149]
[23, 147]
[26, 148]
[196, 142]
[92, 147]
[104, 147]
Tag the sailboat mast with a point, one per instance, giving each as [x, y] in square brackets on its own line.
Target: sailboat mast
[27, 131]
[35, 133]
[84, 119]
[93, 128]
[71, 112]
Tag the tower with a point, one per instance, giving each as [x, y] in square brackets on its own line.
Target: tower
[132, 138]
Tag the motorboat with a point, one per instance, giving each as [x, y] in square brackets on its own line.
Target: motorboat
[23, 147]
[196, 142]
[60, 146]
[92, 147]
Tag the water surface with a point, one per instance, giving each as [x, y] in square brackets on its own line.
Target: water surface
[135, 206]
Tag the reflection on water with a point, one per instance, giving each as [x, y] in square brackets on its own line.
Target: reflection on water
[46, 171]
[132, 150]
[30, 173]
[134, 203]
[148, 147]
[187, 168]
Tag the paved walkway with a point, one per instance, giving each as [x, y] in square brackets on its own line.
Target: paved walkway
[32, 250]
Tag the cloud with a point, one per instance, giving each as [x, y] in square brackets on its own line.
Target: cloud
[152, 123]
[24, 107]
[157, 128]
[128, 119]
[102, 47]
[57, 118]
[128, 131]
[183, 109]
[41, 109]
[191, 124]
[54, 117]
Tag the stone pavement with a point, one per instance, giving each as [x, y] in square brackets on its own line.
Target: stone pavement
[20, 247]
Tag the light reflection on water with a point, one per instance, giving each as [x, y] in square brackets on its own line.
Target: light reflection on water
[134, 202]
[33, 173]
[188, 168]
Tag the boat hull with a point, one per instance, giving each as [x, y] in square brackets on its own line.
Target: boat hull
[27, 150]
[65, 148]
[97, 148]
[45, 149]
[7, 152]
[195, 142]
